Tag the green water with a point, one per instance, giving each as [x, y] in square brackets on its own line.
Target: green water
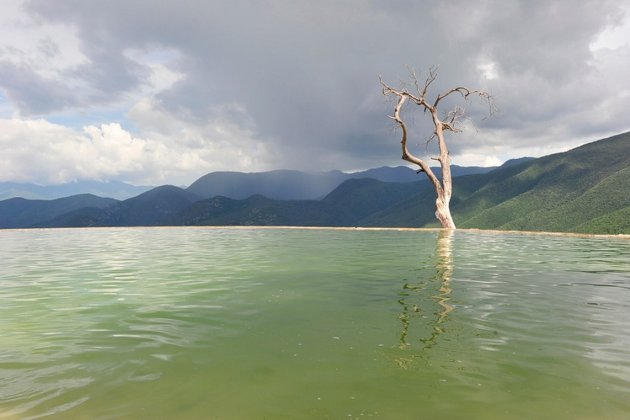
[195, 323]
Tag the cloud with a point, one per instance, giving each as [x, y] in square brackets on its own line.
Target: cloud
[44, 153]
[294, 84]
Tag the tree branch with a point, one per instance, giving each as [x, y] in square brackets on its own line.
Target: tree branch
[406, 154]
[430, 78]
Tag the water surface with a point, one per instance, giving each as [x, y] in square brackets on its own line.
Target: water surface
[274, 323]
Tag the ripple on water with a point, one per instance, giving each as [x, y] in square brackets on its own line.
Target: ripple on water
[185, 322]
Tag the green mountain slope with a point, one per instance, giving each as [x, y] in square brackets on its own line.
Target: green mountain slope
[261, 211]
[152, 208]
[557, 192]
[20, 212]
[347, 205]
[361, 198]
[583, 190]
[607, 196]
[612, 223]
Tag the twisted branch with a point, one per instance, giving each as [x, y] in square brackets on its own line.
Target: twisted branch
[403, 95]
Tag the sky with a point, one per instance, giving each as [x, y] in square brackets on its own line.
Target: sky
[152, 92]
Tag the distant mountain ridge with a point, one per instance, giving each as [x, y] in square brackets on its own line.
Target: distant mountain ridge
[347, 205]
[278, 184]
[23, 213]
[586, 189]
[113, 189]
[152, 208]
[295, 185]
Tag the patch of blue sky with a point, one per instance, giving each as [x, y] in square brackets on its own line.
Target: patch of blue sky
[78, 120]
[6, 110]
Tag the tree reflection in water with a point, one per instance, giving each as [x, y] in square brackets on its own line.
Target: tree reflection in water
[413, 295]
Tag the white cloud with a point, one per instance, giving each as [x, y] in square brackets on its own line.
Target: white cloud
[161, 63]
[616, 35]
[216, 143]
[488, 70]
[46, 48]
[45, 153]
[476, 159]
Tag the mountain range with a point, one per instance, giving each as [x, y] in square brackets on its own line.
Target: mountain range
[296, 185]
[586, 189]
[113, 189]
[279, 184]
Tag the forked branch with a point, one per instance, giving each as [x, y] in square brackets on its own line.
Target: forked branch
[402, 96]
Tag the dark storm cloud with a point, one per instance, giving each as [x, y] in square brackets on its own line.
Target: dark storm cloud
[304, 75]
[31, 93]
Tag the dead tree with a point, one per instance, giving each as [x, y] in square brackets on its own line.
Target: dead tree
[449, 122]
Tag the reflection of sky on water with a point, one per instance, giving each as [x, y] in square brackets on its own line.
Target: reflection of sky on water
[565, 293]
[608, 322]
[599, 281]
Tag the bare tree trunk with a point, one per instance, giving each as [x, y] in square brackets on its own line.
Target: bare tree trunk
[443, 187]
[443, 200]
[443, 213]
